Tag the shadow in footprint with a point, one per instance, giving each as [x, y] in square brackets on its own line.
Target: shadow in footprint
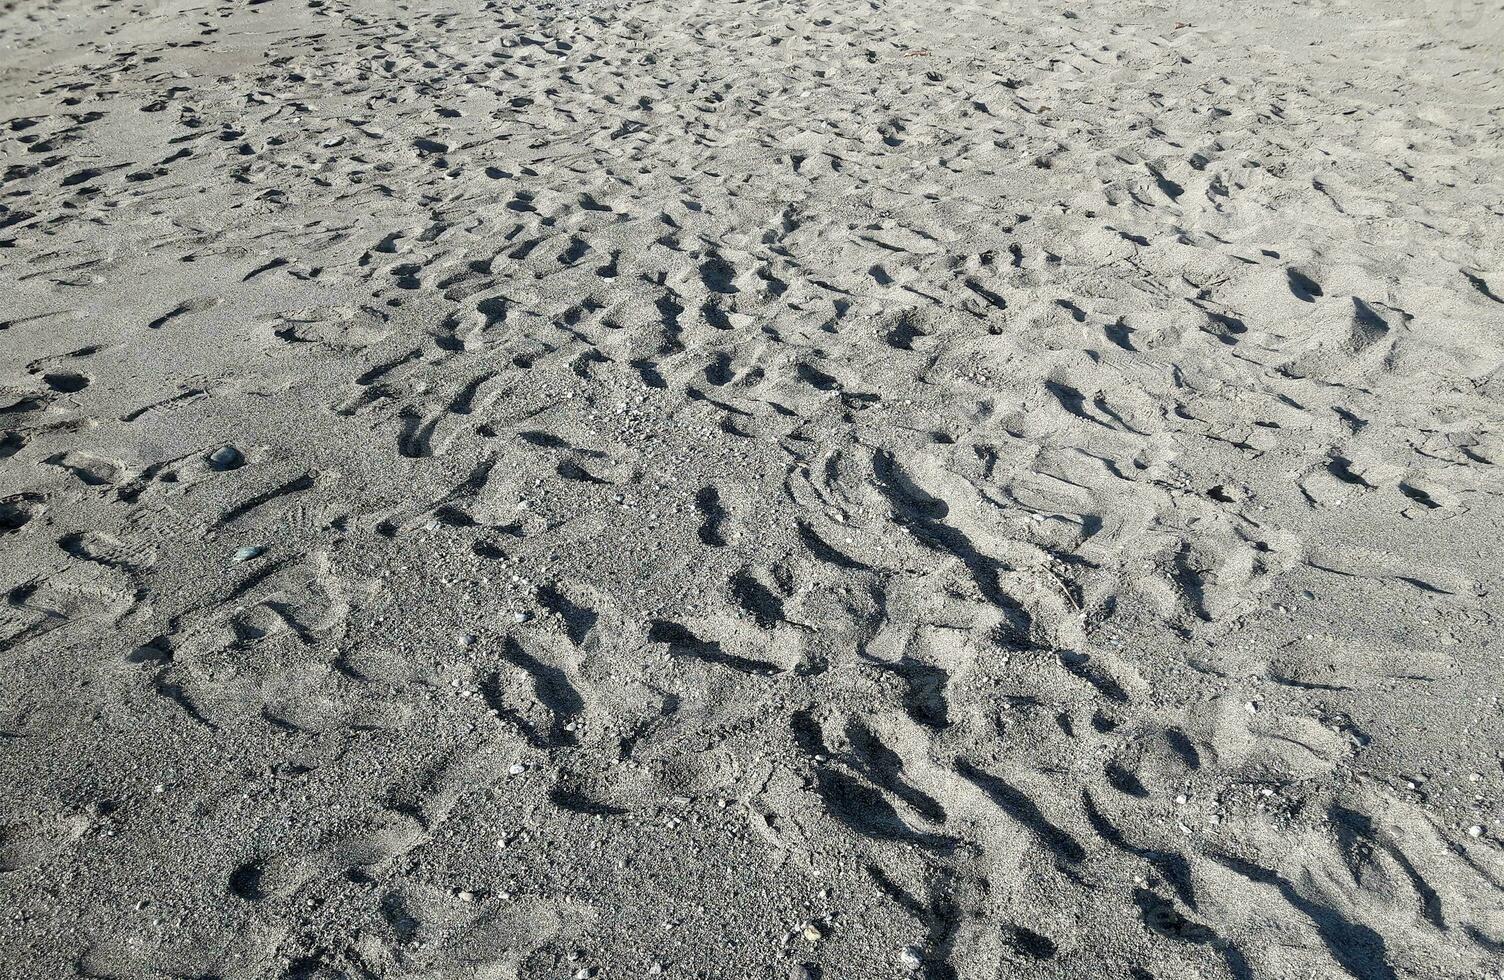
[1020, 807]
[756, 600]
[1302, 286]
[684, 643]
[708, 503]
[864, 810]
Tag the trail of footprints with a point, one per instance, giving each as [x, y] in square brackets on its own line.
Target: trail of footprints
[634, 461]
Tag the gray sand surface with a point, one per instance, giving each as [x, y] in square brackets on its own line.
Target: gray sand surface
[779, 489]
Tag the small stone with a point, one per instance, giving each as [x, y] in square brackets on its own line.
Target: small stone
[466, 639]
[519, 618]
[465, 895]
[226, 458]
[812, 932]
[656, 970]
[517, 769]
[801, 971]
[247, 553]
[912, 958]
[1476, 830]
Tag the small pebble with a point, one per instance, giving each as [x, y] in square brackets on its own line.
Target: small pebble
[1476, 830]
[912, 957]
[801, 971]
[517, 769]
[226, 458]
[248, 552]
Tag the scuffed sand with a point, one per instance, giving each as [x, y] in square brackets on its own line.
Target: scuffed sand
[751, 489]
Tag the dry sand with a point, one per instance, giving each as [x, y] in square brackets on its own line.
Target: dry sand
[751, 489]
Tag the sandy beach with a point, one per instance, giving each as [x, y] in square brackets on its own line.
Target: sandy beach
[832, 490]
